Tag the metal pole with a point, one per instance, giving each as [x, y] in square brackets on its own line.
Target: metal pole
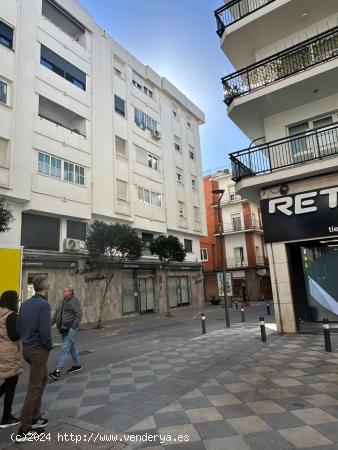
[204, 331]
[327, 335]
[220, 221]
[268, 308]
[263, 333]
[236, 304]
[242, 315]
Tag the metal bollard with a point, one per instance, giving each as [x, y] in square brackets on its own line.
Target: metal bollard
[268, 308]
[204, 331]
[236, 304]
[242, 315]
[262, 324]
[327, 335]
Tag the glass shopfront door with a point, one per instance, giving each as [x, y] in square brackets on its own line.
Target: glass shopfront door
[320, 270]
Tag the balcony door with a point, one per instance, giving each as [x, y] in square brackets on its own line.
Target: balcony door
[300, 148]
[239, 256]
[236, 222]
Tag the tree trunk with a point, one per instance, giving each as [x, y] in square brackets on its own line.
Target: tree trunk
[167, 290]
[109, 278]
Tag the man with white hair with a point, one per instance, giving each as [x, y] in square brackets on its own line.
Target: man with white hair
[67, 317]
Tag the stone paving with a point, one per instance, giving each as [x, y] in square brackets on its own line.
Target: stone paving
[223, 390]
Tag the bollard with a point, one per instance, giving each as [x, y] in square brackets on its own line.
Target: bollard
[268, 308]
[236, 304]
[262, 324]
[327, 335]
[204, 331]
[242, 315]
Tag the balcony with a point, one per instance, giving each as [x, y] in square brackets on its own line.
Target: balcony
[295, 59]
[285, 153]
[235, 263]
[239, 227]
[235, 10]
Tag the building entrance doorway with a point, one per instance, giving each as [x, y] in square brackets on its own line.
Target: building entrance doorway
[146, 295]
[178, 291]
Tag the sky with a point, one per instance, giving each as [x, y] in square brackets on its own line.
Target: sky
[177, 38]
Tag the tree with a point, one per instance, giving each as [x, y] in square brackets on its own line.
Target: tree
[112, 242]
[6, 216]
[169, 249]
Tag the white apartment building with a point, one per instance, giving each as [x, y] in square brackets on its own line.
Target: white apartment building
[283, 95]
[89, 132]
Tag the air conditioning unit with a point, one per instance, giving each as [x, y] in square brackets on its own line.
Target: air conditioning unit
[156, 135]
[73, 245]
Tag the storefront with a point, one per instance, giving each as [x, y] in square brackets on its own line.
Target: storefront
[301, 232]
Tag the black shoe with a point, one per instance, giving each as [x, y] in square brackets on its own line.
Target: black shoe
[9, 422]
[40, 423]
[30, 435]
[56, 375]
[74, 369]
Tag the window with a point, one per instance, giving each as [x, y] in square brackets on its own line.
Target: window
[197, 217]
[3, 151]
[121, 190]
[188, 245]
[144, 121]
[119, 105]
[137, 85]
[152, 161]
[61, 67]
[148, 92]
[76, 230]
[120, 147]
[193, 182]
[177, 143]
[181, 210]
[179, 176]
[189, 122]
[175, 111]
[6, 35]
[147, 239]
[191, 152]
[149, 197]
[236, 222]
[239, 255]
[40, 232]
[117, 72]
[3, 92]
[204, 254]
[57, 168]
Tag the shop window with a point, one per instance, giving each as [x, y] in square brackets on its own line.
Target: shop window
[40, 232]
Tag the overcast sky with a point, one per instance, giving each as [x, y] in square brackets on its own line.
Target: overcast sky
[177, 39]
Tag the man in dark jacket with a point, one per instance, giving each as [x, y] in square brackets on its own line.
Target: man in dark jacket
[67, 317]
[34, 328]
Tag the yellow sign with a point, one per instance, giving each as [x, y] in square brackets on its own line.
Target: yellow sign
[10, 269]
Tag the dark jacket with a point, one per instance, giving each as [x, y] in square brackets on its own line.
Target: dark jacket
[34, 324]
[68, 314]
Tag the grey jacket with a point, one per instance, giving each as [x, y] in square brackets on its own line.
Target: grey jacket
[68, 314]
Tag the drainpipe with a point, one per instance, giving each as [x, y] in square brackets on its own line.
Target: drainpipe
[277, 293]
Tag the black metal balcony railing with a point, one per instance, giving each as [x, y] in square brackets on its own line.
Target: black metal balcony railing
[235, 10]
[297, 58]
[282, 153]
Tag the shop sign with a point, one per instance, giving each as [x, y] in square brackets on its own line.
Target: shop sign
[228, 284]
[311, 214]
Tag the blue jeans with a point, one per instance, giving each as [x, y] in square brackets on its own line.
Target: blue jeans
[68, 346]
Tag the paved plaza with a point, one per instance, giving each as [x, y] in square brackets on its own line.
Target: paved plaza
[222, 390]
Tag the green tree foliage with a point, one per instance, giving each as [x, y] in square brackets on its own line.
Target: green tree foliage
[168, 249]
[6, 216]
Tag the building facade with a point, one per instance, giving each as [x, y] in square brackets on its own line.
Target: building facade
[283, 95]
[89, 132]
[244, 247]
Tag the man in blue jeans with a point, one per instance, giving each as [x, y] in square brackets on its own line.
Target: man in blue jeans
[67, 317]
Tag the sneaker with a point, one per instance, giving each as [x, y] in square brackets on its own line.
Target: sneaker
[56, 375]
[30, 435]
[9, 422]
[74, 369]
[39, 423]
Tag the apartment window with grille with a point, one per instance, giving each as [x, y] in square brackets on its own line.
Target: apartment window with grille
[3, 92]
[144, 121]
[152, 161]
[120, 105]
[179, 176]
[204, 254]
[120, 147]
[194, 182]
[121, 190]
[149, 197]
[197, 217]
[191, 152]
[61, 67]
[177, 143]
[188, 245]
[6, 35]
[181, 210]
[236, 222]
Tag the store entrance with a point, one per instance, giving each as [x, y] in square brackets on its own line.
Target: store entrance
[314, 279]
